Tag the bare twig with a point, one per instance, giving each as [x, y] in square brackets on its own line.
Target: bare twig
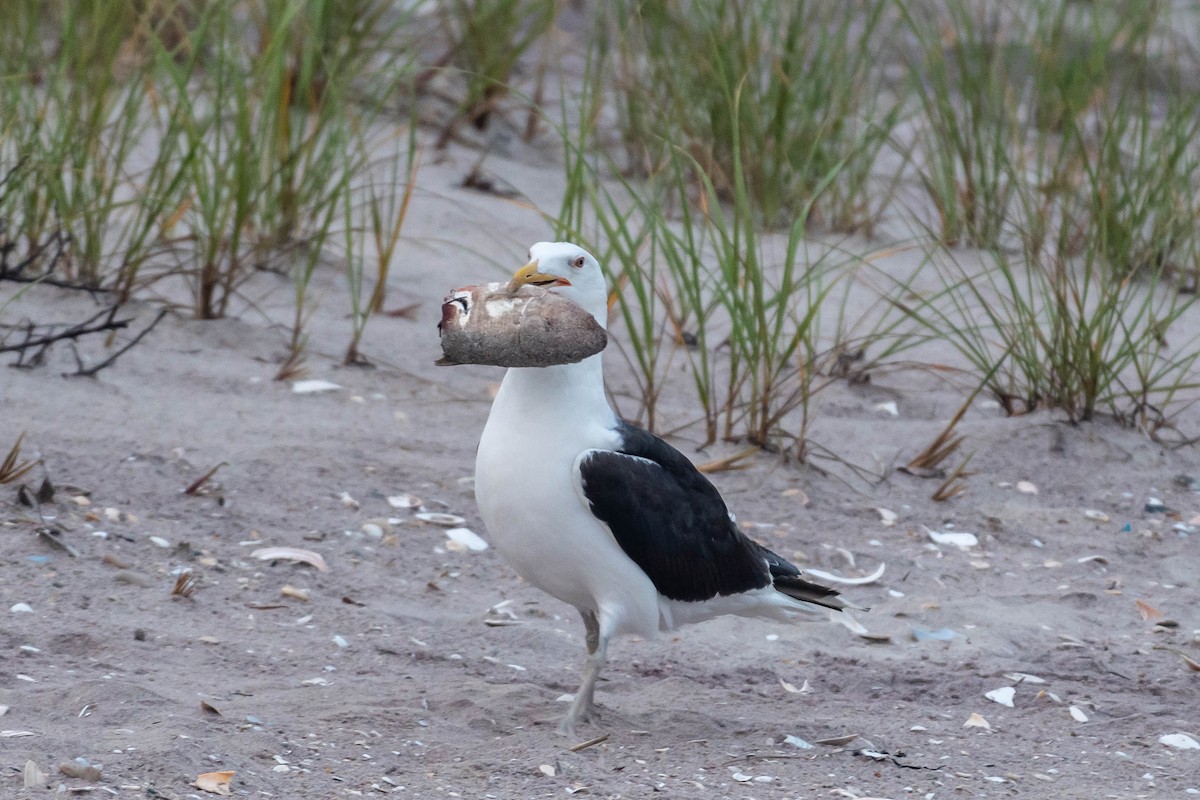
[92, 370]
[730, 462]
[589, 743]
[40, 337]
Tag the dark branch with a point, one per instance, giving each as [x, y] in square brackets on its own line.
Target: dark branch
[92, 370]
[42, 336]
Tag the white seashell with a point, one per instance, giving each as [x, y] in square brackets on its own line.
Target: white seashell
[160, 542]
[1004, 695]
[959, 539]
[21, 608]
[828, 576]
[888, 408]
[1024, 677]
[1180, 741]
[1025, 487]
[313, 386]
[1099, 516]
[291, 554]
[887, 517]
[34, 777]
[1077, 714]
[467, 538]
[977, 721]
[438, 518]
[404, 501]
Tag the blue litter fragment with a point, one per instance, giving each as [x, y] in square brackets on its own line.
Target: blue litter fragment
[40, 559]
[1128, 528]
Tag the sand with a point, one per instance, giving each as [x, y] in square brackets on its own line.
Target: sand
[382, 676]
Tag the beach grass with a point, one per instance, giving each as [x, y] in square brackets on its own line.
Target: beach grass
[1040, 158]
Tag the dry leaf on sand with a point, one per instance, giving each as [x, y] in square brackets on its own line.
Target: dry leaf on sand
[215, 782]
[1149, 613]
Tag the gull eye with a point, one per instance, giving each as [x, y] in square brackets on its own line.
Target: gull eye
[577, 262]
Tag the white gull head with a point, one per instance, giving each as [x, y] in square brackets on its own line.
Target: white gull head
[567, 270]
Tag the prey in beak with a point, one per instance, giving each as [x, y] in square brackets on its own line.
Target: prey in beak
[529, 276]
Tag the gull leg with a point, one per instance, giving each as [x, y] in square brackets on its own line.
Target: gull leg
[582, 707]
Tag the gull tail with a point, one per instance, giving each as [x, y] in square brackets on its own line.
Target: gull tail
[789, 580]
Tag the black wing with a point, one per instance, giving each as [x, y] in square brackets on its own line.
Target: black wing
[672, 522]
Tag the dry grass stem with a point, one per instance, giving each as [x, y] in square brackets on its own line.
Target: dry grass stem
[12, 469]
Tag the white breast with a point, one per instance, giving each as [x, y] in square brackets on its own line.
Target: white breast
[527, 488]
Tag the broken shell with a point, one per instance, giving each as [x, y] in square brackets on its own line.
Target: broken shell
[34, 777]
[314, 386]
[404, 501]
[1004, 695]
[1099, 516]
[1180, 741]
[977, 721]
[837, 741]
[1024, 677]
[295, 593]
[1025, 487]
[468, 539]
[531, 327]
[291, 554]
[961, 540]
[438, 518]
[828, 576]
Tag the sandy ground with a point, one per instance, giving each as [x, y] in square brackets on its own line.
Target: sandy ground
[386, 679]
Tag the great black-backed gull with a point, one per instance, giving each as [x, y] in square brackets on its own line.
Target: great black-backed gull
[607, 517]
